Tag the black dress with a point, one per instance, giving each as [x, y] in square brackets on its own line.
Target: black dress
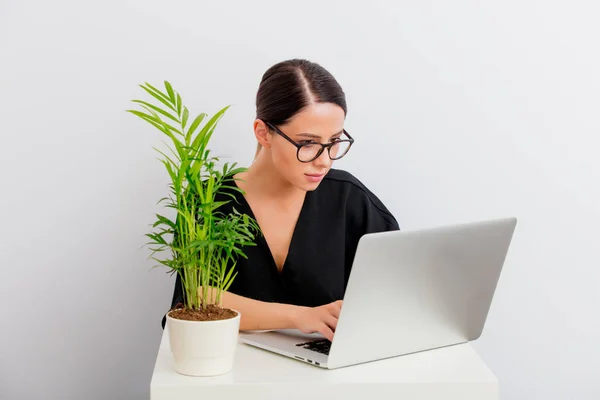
[331, 221]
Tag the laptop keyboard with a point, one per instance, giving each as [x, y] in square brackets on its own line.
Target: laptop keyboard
[321, 346]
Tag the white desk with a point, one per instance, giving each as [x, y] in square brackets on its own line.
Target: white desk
[451, 373]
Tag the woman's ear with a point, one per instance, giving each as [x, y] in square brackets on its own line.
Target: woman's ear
[262, 133]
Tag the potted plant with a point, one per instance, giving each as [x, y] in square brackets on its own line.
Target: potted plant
[202, 242]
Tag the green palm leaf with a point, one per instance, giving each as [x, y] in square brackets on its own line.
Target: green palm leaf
[202, 242]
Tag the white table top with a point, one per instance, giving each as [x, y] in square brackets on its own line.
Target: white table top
[454, 372]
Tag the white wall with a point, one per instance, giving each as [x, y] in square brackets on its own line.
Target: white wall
[461, 111]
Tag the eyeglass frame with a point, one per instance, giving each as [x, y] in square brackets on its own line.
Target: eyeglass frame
[327, 146]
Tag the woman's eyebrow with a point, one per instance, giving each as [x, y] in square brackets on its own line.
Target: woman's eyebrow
[313, 136]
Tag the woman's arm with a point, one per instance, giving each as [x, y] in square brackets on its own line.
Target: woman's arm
[261, 315]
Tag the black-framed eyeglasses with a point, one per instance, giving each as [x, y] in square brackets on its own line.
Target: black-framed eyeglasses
[310, 151]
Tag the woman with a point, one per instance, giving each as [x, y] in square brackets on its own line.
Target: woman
[311, 216]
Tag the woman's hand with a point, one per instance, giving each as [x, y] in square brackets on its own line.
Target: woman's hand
[322, 319]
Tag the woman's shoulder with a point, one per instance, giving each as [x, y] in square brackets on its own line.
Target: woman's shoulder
[354, 193]
[344, 182]
[344, 177]
[231, 196]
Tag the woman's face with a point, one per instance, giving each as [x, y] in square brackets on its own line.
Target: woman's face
[319, 122]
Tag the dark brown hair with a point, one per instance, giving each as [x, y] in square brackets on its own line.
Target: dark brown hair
[288, 87]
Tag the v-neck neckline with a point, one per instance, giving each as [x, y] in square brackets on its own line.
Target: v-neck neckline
[263, 240]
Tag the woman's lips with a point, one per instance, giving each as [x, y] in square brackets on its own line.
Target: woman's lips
[314, 177]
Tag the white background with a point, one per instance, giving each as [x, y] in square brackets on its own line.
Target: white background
[461, 111]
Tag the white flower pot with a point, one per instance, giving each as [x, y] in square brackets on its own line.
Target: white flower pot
[203, 348]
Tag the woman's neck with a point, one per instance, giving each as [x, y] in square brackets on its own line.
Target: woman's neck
[263, 179]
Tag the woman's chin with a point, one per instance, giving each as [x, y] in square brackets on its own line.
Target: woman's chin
[309, 186]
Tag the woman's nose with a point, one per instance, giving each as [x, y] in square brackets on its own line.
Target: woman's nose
[323, 160]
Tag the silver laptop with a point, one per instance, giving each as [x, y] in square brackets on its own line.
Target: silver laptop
[408, 291]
